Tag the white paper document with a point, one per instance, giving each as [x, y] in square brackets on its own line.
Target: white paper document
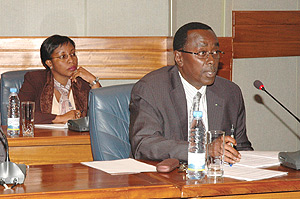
[259, 159]
[249, 173]
[249, 168]
[122, 166]
[51, 126]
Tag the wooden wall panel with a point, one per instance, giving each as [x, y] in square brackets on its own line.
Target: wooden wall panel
[105, 57]
[266, 33]
[225, 66]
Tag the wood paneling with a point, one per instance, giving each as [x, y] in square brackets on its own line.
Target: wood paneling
[265, 33]
[266, 17]
[105, 57]
[50, 146]
[225, 66]
[56, 154]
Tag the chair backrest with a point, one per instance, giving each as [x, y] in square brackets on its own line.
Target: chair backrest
[11, 79]
[109, 122]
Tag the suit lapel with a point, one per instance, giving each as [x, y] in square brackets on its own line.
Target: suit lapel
[179, 101]
[215, 109]
[215, 104]
[47, 94]
[80, 96]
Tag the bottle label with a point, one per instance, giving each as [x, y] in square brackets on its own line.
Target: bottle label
[196, 161]
[13, 124]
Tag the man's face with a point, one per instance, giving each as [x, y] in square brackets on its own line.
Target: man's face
[198, 71]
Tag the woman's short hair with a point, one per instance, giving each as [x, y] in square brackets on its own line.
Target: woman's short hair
[50, 44]
[181, 34]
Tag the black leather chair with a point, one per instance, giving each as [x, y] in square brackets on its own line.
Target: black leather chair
[11, 79]
[109, 122]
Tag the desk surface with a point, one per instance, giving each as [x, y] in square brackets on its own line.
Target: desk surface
[50, 146]
[242, 189]
[79, 181]
[50, 137]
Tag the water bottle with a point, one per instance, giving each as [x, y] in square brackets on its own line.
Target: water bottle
[197, 148]
[13, 114]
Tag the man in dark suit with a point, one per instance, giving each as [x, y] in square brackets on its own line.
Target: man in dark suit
[161, 101]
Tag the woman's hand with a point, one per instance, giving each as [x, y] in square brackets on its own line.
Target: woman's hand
[85, 75]
[71, 115]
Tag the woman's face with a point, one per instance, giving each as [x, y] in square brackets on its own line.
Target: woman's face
[63, 63]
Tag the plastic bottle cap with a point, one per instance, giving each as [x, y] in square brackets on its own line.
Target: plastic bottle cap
[13, 90]
[197, 113]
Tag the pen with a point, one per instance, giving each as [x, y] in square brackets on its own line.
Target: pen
[232, 135]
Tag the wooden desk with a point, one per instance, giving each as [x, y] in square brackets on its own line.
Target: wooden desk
[280, 187]
[79, 181]
[50, 146]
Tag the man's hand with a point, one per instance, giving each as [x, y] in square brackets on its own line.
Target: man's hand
[231, 155]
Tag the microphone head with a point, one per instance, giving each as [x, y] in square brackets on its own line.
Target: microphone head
[259, 85]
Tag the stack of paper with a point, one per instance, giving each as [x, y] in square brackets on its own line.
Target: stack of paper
[259, 159]
[51, 126]
[249, 166]
[248, 169]
[123, 166]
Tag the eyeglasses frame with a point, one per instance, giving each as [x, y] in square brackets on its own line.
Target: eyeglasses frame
[68, 55]
[206, 55]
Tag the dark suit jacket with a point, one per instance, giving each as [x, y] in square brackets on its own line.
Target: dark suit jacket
[2, 148]
[158, 114]
[38, 87]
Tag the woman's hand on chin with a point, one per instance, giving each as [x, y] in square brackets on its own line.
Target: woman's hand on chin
[85, 75]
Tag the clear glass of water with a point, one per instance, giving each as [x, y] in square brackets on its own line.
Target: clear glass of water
[215, 153]
[27, 115]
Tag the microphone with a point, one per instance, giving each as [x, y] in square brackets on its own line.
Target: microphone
[259, 85]
[11, 173]
[288, 159]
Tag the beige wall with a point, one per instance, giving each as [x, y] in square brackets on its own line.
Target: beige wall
[42, 17]
[84, 17]
[207, 11]
[127, 18]
[269, 126]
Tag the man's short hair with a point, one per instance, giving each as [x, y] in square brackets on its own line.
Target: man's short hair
[181, 34]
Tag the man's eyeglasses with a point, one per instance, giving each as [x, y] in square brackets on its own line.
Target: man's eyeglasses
[204, 54]
[64, 57]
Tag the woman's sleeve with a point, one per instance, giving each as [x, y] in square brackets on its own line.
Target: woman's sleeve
[30, 92]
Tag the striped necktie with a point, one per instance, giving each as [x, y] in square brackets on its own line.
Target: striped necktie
[195, 106]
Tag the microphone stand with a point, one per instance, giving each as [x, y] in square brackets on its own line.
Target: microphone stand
[288, 159]
[281, 105]
[11, 173]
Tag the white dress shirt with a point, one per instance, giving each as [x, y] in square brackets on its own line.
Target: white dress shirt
[190, 92]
